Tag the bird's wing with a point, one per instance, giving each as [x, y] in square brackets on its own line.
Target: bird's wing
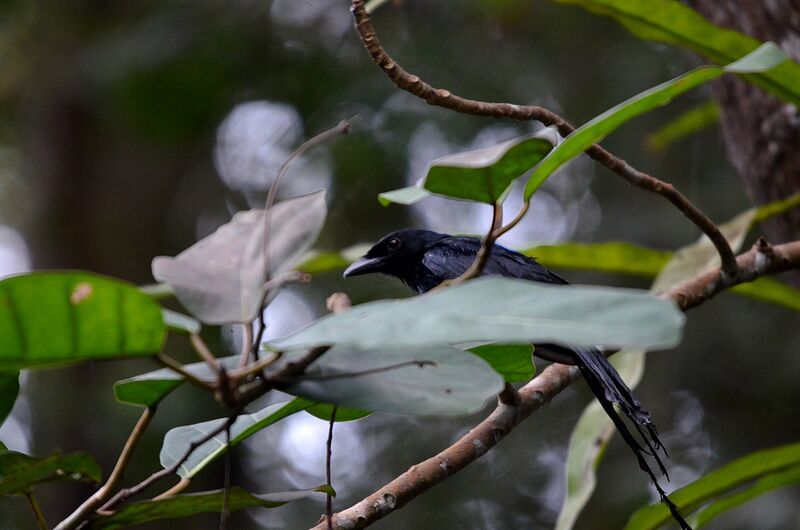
[450, 257]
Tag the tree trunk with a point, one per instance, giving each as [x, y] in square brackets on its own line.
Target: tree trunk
[762, 132]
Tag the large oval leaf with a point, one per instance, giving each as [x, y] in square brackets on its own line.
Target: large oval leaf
[764, 58]
[189, 504]
[49, 318]
[439, 380]
[491, 309]
[221, 279]
[484, 175]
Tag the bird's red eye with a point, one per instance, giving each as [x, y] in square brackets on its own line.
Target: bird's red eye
[393, 244]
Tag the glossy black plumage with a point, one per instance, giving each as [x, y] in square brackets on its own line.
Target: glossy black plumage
[423, 259]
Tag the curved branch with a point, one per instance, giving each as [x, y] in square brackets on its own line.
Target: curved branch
[444, 98]
[761, 260]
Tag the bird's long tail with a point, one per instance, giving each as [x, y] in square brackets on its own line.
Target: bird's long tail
[609, 389]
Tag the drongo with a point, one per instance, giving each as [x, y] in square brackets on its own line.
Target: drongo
[423, 259]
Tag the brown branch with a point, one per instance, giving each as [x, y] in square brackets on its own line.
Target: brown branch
[328, 458]
[512, 409]
[760, 260]
[446, 99]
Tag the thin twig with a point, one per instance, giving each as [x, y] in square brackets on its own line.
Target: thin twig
[127, 493]
[350, 375]
[511, 410]
[181, 485]
[247, 344]
[226, 496]
[177, 367]
[254, 368]
[328, 458]
[343, 127]
[446, 99]
[476, 268]
[37, 510]
[100, 496]
[204, 352]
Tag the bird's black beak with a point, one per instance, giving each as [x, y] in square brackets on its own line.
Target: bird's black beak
[363, 265]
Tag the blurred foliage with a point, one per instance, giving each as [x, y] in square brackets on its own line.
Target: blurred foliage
[109, 115]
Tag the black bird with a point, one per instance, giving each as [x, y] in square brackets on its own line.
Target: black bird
[423, 259]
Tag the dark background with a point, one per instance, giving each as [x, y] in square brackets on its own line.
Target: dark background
[128, 129]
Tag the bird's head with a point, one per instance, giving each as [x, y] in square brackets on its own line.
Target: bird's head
[397, 254]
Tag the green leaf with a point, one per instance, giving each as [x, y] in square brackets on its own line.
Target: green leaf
[686, 124]
[406, 196]
[150, 388]
[178, 440]
[429, 380]
[612, 256]
[181, 323]
[19, 472]
[693, 259]
[674, 23]
[221, 279]
[484, 175]
[57, 318]
[762, 59]
[771, 290]
[319, 262]
[589, 440]
[189, 504]
[720, 482]
[513, 361]
[9, 388]
[497, 309]
[323, 411]
[790, 477]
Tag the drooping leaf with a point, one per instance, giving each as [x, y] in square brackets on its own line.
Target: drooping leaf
[56, 318]
[19, 472]
[686, 124]
[727, 479]
[771, 290]
[178, 440]
[764, 58]
[790, 477]
[675, 23]
[196, 503]
[484, 175]
[497, 309]
[9, 388]
[513, 361]
[694, 259]
[150, 388]
[430, 380]
[406, 196]
[221, 279]
[323, 411]
[588, 441]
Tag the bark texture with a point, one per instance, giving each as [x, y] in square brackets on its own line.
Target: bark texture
[762, 132]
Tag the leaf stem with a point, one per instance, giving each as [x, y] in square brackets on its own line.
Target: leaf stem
[37, 510]
[328, 457]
